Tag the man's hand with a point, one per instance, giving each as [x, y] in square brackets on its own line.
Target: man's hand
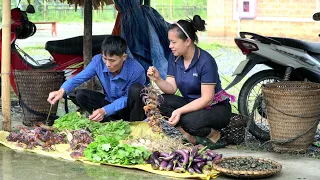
[55, 96]
[175, 117]
[98, 115]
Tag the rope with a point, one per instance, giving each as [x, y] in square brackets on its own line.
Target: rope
[290, 114]
[3, 73]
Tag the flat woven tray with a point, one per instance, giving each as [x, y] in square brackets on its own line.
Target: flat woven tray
[247, 174]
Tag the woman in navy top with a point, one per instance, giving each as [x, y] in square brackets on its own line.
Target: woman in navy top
[204, 107]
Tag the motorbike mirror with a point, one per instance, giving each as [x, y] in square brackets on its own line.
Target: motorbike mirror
[30, 9]
[316, 16]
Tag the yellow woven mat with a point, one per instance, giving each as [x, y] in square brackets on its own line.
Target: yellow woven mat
[139, 129]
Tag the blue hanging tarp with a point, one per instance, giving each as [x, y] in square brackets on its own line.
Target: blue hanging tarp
[145, 31]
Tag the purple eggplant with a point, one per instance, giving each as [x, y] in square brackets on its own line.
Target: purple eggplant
[170, 165]
[180, 159]
[215, 159]
[186, 151]
[175, 161]
[200, 164]
[196, 160]
[148, 161]
[155, 156]
[191, 170]
[163, 165]
[163, 154]
[198, 156]
[196, 169]
[209, 158]
[154, 165]
[193, 154]
[179, 164]
[168, 158]
[211, 153]
[185, 157]
[179, 170]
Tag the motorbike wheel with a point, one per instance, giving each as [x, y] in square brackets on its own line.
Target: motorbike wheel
[251, 93]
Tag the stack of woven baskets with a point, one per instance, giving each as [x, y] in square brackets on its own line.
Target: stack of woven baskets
[293, 110]
[34, 87]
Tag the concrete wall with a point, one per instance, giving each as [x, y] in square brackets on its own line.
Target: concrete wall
[285, 18]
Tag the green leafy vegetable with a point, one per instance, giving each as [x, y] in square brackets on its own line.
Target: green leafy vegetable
[109, 150]
[73, 121]
[106, 147]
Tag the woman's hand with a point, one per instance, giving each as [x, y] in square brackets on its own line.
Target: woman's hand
[98, 115]
[153, 73]
[175, 117]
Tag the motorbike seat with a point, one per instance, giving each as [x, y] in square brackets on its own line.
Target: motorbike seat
[48, 65]
[295, 43]
[74, 45]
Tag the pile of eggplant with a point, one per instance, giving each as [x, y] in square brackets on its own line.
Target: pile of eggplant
[198, 160]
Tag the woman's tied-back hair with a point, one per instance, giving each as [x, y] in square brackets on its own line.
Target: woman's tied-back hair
[113, 45]
[189, 26]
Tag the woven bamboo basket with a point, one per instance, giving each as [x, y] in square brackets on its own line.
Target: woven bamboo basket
[293, 109]
[234, 133]
[247, 174]
[34, 87]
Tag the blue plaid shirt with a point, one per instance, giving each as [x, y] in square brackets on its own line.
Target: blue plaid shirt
[116, 88]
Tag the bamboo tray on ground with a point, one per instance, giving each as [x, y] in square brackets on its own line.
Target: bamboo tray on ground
[247, 174]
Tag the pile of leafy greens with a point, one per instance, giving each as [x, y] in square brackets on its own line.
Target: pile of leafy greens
[106, 147]
[74, 121]
[109, 150]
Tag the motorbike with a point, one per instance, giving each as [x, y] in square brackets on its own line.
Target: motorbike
[66, 54]
[286, 59]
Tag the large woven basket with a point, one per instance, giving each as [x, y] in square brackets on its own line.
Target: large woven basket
[34, 87]
[293, 109]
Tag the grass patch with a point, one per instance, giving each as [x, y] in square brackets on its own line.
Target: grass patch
[36, 51]
[209, 46]
[31, 48]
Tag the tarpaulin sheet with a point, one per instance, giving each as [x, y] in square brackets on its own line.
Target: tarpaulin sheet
[139, 129]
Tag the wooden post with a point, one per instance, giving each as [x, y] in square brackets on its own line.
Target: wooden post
[44, 9]
[87, 37]
[5, 65]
